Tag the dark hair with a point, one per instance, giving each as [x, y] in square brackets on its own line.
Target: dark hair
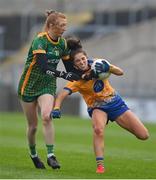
[75, 46]
[73, 43]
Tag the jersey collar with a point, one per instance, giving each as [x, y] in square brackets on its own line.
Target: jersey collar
[53, 42]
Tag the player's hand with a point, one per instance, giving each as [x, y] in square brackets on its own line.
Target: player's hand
[70, 76]
[104, 67]
[89, 76]
[56, 113]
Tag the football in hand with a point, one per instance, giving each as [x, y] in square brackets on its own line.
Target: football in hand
[103, 64]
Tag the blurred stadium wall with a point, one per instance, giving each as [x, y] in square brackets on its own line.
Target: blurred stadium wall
[122, 31]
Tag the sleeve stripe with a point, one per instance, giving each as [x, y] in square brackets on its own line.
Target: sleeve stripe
[70, 91]
[39, 51]
[65, 44]
[65, 58]
[28, 75]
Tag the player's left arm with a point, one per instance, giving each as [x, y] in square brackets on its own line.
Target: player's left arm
[116, 70]
[106, 66]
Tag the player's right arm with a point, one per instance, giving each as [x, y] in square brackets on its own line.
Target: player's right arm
[56, 112]
[71, 87]
[60, 98]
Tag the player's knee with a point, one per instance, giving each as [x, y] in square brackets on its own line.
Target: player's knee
[46, 118]
[144, 135]
[98, 131]
[32, 129]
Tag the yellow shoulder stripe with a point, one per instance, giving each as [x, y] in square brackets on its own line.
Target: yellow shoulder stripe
[41, 34]
[65, 43]
[39, 51]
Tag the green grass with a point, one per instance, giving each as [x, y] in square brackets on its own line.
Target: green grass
[125, 156]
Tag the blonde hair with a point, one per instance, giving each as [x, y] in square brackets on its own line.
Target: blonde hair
[52, 17]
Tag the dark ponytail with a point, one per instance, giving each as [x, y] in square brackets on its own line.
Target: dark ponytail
[73, 43]
[75, 47]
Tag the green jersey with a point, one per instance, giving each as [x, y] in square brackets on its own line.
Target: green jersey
[34, 81]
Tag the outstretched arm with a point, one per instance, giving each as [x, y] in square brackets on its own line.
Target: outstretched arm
[60, 98]
[42, 61]
[105, 66]
[56, 112]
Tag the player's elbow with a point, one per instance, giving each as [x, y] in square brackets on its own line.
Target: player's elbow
[119, 72]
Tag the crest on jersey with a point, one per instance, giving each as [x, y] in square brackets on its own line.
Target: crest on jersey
[98, 86]
[56, 51]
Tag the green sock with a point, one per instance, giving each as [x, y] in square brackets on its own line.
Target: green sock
[50, 149]
[32, 149]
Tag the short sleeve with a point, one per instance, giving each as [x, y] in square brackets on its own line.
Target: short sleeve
[39, 45]
[72, 87]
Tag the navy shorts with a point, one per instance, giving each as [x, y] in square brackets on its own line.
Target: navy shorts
[114, 108]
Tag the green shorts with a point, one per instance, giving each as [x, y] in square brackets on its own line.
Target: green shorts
[28, 98]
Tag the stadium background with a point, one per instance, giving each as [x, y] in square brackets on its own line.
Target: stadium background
[122, 31]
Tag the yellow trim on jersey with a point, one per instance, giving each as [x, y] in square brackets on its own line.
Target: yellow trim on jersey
[53, 42]
[27, 75]
[65, 43]
[41, 34]
[48, 37]
[39, 51]
[65, 58]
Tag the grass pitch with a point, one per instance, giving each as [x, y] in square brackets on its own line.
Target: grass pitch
[125, 156]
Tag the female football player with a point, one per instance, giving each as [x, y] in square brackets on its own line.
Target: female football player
[103, 103]
[37, 85]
